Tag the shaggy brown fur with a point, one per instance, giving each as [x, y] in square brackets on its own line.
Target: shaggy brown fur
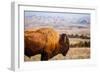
[45, 41]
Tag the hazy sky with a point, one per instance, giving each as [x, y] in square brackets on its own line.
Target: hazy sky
[74, 18]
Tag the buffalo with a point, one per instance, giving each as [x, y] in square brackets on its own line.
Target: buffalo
[45, 41]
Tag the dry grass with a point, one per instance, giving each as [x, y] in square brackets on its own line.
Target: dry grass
[73, 53]
[77, 40]
[78, 53]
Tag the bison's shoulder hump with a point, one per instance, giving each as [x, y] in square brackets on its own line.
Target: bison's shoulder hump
[50, 33]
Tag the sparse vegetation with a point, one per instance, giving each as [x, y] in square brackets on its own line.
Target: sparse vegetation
[81, 44]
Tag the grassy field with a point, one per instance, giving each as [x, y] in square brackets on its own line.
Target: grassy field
[73, 53]
[77, 40]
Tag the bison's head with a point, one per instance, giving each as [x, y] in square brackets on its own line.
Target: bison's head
[64, 44]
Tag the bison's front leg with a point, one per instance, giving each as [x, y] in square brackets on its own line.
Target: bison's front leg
[45, 56]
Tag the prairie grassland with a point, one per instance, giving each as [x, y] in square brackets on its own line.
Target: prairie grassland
[75, 40]
[78, 53]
